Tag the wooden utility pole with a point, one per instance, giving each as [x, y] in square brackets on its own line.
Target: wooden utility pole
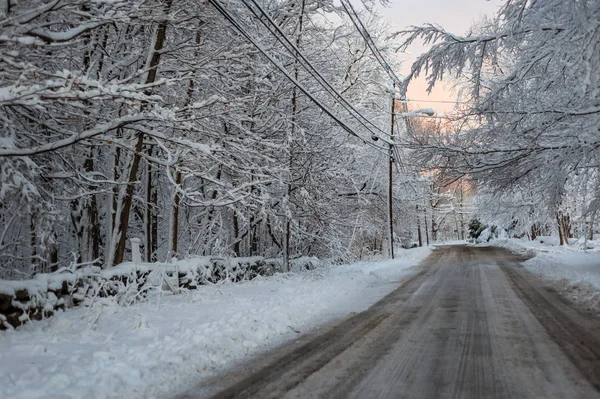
[288, 218]
[390, 185]
[426, 226]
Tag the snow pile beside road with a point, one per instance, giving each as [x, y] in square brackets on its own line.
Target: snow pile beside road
[575, 271]
[577, 268]
[169, 344]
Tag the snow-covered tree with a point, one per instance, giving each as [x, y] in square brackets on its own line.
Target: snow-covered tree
[532, 117]
[199, 131]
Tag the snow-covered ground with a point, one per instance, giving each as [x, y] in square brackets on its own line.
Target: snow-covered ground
[574, 269]
[164, 346]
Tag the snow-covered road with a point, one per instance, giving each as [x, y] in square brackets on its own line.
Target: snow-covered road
[160, 348]
[472, 324]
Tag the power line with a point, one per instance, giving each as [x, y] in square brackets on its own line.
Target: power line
[367, 37]
[433, 101]
[369, 40]
[394, 150]
[282, 69]
[277, 32]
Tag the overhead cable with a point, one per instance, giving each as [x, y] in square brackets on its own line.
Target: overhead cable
[384, 64]
[282, 69]
[278, 33]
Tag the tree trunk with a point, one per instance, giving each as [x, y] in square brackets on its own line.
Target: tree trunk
[94, 234]
[252, 242]
[176, 202]
[252, 226]
[148, 210]
[560, 230]
[77, 227]
[150, 216]
[270, 232]
[426, 227]
[236, 234]
[564, 227]
[567, 227]
[286, 246]
[33, 241]
[126, 200]
[120, 230]
[456, 225]
[419, 234]
[211, 211]
[154, 224]
[53, 249]
[116, 177]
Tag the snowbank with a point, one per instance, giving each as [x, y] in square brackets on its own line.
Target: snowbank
[574, 269]
[164, 346]
[41, 296]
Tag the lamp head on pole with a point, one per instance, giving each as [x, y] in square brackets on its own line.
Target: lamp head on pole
[425, 111]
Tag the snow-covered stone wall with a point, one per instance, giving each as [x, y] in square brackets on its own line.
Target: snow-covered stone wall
[127, 283]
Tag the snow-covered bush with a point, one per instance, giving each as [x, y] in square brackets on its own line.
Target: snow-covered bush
[492, 233]
[475, 228]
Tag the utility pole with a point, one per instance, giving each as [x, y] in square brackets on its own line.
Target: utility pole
[391, 164]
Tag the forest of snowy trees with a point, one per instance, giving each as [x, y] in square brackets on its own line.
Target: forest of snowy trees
[254, 127]
[161, 120]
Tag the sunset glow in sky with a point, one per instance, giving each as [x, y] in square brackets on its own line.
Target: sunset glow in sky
[456, 16]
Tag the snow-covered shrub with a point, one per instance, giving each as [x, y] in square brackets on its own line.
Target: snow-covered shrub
[304, 263]
[492, 233]
[475, 228]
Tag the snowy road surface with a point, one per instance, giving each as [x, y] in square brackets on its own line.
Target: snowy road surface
[164, 346]
[470, 324]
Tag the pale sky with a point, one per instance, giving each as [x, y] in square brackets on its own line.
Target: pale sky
[455, 16]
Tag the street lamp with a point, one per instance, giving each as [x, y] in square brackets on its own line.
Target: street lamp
[405, 115]
[417, 113]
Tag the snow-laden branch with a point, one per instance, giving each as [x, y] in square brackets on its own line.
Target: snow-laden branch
[67, 85]
[452, 53]
[49, 36]
[101, 128]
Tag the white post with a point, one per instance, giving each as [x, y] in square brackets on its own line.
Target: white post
[135, 251]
